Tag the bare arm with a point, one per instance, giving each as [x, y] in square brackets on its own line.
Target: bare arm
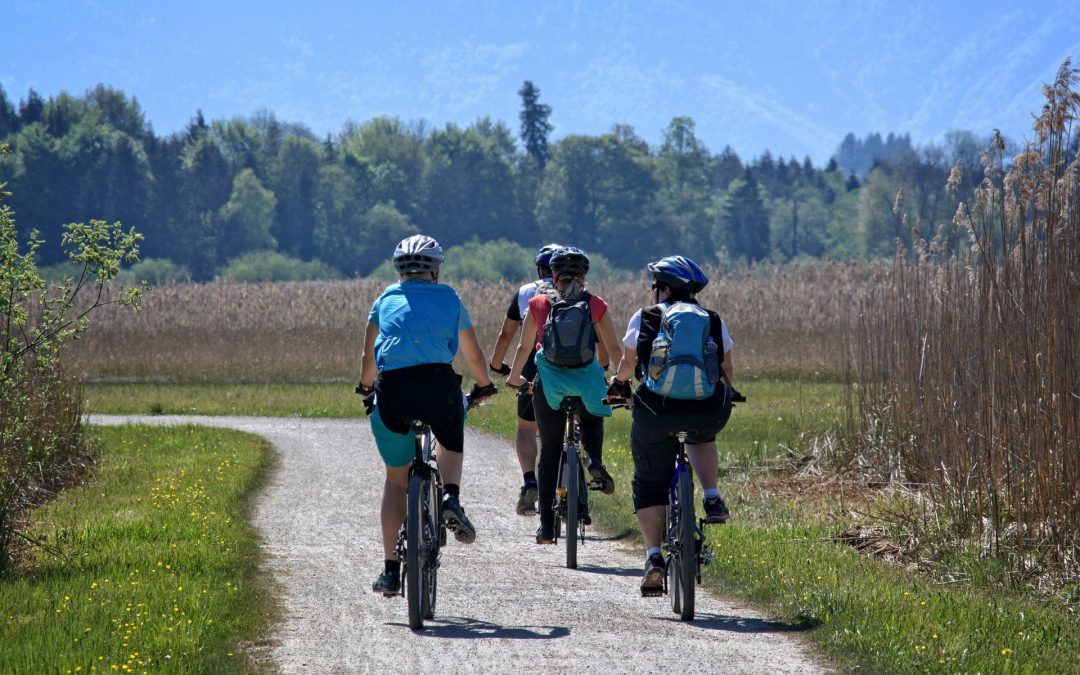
[525, 345]
[627, 364]
[729, 370]
[605, 330]
[474, 356]
[506, 334]
[368, 371]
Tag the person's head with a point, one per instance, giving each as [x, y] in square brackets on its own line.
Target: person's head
[677, 277]
[418, 257]
[543, 260]
[569, 266]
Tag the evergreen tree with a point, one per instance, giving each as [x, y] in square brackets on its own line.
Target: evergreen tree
[534, 123]
[747, 220]
[32, 109]
[9, 121]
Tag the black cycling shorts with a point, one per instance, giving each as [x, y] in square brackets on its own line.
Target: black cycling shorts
[654, 446]
[430, 393]
[525, 407]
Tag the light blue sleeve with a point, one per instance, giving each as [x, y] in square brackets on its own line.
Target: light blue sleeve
[373, 315]
[464, 320]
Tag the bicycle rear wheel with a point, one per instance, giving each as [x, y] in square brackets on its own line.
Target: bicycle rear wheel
[687, 549]
[432, 523]
[413, 542]
[573, 507]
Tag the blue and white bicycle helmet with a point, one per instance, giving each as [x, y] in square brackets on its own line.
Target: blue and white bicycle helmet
[569, 260]
[544, 253]
[679, 273]
[418, 253]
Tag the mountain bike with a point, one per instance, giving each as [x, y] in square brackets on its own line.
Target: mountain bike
[572, 493]
[423, 534]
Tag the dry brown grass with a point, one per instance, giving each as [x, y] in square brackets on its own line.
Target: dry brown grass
[969, 383]
[784, 320]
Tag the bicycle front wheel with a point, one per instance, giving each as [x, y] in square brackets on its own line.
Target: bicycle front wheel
[687, 550]
[573, 507]
[414, 538]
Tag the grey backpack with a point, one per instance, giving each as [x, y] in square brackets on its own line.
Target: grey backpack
[569, 335]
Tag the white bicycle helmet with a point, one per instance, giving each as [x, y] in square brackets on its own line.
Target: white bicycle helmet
[418, 253]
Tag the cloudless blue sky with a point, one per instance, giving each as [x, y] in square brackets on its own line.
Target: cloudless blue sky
[791, 77]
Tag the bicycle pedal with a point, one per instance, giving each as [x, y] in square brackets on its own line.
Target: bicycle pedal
[652, 592]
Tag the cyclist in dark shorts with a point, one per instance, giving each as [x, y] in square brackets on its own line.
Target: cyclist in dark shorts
[414, 331]
[525, 441]
[656, 417]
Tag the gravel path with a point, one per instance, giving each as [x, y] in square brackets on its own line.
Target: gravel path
[505, 604]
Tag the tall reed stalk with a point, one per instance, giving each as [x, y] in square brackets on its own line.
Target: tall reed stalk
[968, 363]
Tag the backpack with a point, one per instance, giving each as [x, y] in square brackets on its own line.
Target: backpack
[683, 363]
[569, 335]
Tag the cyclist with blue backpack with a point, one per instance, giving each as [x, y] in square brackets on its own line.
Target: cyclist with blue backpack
[681, 353]
[414, 330]
[525, 441]
[563, 325]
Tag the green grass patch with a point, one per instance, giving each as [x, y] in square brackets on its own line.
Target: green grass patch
[150, 565]
[327, 399]
[777, 552]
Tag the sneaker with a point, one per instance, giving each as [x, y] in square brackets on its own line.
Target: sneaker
[715, 510]
[526, 504]
[388, 583]
[456, 521]
[601, 476]
[653, 581]
[545, 534]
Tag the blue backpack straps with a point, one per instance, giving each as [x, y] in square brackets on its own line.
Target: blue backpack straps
[684, 363]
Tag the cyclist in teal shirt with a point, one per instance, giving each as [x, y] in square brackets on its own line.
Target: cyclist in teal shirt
[414, 331]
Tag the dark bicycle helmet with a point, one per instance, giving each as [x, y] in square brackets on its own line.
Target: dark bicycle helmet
[544, 253]
[569, 260]
[418, 253]
[679, 273]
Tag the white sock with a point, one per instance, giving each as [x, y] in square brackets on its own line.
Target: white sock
[651, 551]
[711, 492]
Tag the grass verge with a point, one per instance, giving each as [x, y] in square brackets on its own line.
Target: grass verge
[151, 565]
[779, 550]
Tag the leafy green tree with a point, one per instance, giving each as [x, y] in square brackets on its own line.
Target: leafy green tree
[469, 183]
[258, 266]
[247, 216]
[489, 261]
[534, 124]
[40, 417]
[154, 272]
[683, 171]
[389, 154]
[600, 194]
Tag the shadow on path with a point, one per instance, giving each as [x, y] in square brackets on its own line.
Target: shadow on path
[741, 624]
[456, 627]
[611, 571]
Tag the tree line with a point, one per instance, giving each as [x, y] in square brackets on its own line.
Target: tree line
[224, 190]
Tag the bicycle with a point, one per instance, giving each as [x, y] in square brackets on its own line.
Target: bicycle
[423, 534]
[572, 494]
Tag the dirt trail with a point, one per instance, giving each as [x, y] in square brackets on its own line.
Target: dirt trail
[505, 604]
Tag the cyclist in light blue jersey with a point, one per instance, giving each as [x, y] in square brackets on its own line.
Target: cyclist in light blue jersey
[414, 331]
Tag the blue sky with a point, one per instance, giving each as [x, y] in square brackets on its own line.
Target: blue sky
[791, 77]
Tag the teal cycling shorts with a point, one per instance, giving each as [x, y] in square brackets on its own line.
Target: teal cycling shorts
[396, 450]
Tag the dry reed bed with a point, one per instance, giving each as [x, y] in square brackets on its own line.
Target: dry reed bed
[782, 319]
[971, 383]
